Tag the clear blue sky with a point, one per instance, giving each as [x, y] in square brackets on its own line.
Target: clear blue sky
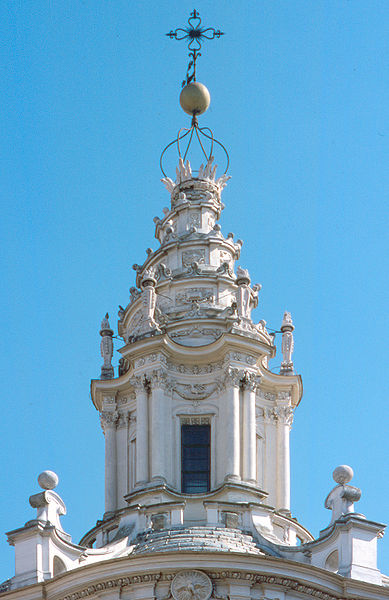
[89, 97]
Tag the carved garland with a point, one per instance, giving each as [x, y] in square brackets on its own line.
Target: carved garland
[254, 578]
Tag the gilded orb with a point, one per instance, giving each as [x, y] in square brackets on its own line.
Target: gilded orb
[195, 98]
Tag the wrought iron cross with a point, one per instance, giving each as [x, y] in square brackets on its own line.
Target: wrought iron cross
[195, 34]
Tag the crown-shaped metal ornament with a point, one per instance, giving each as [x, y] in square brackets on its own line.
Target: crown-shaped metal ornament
[195, 97]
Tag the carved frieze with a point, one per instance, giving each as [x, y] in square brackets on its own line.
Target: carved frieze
[225, 269]
[283, 396]
[194, 293]
[149, 360]
[195, 336]
[194, 369]
[195, 420]
[266, 395]
[194, 219]
[282, 582]
[195, 391]
[241, 357]
[193, 256]
[225, 257]
[162, 272]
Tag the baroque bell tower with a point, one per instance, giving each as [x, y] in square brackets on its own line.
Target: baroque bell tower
[195, 418]
[196, 427]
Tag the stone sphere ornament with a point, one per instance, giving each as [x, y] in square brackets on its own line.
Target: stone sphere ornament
[48, 480]
[343, 474]
[195, 98]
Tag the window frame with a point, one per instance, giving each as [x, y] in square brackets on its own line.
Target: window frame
[208, 445]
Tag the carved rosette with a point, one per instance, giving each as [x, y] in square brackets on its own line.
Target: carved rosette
[191, 585]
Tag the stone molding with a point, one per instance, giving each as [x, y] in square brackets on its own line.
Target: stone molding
[266, 395]
[283, 396]
[288, 584]
[195, 369]
[195, 419]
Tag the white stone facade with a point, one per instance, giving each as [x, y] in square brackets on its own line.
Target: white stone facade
[193, 357]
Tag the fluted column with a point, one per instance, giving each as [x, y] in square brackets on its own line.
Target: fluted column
[142, 431]
[284, 422]
[158, 427]
[249, 454]
[122, 459]
[108, 422]
[231, 432]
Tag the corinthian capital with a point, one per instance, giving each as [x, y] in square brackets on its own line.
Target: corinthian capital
[279, 414]
[108, 419]
[233, 377]
[138, 383]
[284, 414]
[159, 379]
[251, 381]
[123, 420]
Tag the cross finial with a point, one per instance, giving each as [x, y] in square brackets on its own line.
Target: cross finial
[195, 33]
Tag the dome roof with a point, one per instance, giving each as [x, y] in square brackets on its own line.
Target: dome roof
[197, 539]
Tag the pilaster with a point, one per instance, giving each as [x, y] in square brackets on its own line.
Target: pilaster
[249, 454]
[122, 458]
[231, 431]
[142, 430]
[108, 423]
[159, 424]
[284, 421]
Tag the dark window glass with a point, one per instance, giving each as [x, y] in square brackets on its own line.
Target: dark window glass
[195, 458]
